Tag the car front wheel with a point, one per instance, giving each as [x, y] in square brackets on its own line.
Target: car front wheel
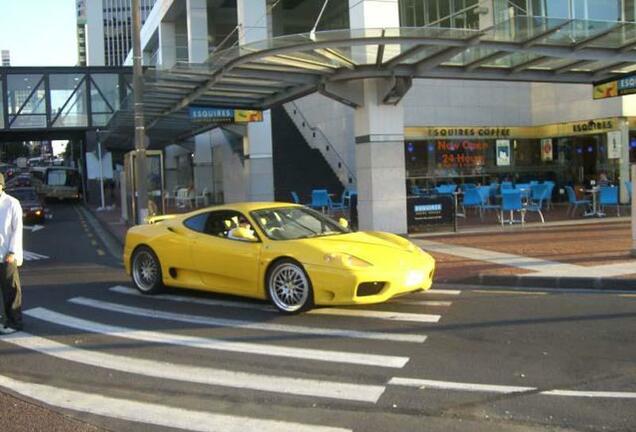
[289, 288]
[146, 271]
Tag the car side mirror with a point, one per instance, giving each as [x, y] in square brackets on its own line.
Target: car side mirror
[343, 222]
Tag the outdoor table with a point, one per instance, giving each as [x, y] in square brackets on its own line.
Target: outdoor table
[596, 211]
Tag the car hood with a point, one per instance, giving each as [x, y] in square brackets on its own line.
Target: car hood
[29, 204]
[378, 248]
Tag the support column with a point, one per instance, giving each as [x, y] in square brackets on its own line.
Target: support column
[379, 131]
[167, 45]
[633, 210]
[380, 166]
[259, 169]
[624, 166]
[203, 165]
[197, 21]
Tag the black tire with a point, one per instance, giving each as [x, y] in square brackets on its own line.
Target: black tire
[145, 270]
[288, 287]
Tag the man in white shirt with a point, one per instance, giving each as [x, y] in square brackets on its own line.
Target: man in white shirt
[11, 259]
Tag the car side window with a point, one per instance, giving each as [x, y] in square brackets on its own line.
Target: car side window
[197, 223]
[223, 223]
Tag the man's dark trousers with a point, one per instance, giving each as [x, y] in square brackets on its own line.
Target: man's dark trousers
[11, 301]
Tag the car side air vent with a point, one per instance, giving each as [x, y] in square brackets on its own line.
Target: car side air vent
[173, 272]
[370, 288]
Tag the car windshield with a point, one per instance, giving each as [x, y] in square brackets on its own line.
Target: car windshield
[289, 223]
[23, 195]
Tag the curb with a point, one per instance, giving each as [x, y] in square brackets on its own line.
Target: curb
[111, 242]
[572, 283]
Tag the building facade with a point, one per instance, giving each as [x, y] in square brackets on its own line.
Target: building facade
[104, 30]
[6, 58]
[448, 129]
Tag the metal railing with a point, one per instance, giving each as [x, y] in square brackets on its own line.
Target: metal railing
[317, 139]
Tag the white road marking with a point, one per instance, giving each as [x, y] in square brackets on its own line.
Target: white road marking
[151, 413]
[442, 292]
[425, 302]
[423, 384]
[209, 376]
[196, 300]
[32, 256]
[33, 228]
[591, 394]
[218, 344]
[390, 316]
[448, 385]
[254, 325]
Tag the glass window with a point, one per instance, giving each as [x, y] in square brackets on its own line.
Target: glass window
[289, 223]
[26, 101]
[68, 100]
[104, 94]
[602, 10]
[1, 106]
[197, 223]
[440, 13]
[299, 16]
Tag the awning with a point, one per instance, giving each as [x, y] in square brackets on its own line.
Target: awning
[271, 72]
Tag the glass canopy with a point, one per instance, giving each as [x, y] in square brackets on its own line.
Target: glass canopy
[271, 72]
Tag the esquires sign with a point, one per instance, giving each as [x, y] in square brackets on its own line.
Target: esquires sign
[514, 132]
[424, 212]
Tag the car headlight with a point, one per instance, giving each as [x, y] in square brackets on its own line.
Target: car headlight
[346, 260]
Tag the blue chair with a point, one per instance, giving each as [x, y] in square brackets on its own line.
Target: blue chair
[295, 197]
[628, 185]
[485, 192]
[538, 195]
[494, 188]
[445, 189]
[511, 201]
[609, 196]
[320, 199]
[573, 202]
[415, 190]
[472, 198]
[550, 184]
[467, 186]
[506, 185]
[345, 200]
[533, 182]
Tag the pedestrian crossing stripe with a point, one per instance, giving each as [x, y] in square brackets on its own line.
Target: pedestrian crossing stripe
[254, 325]
[319, 355]
[32, 256]
[152, 413]
[199, 375]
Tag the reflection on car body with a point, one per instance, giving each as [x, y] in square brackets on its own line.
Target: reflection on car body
[292, 255]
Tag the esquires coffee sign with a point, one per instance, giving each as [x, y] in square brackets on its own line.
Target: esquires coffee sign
[593, 126]
[457, 154]
[470, 132]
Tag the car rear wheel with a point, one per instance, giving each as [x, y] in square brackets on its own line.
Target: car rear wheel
[146, 271]
[289, 288]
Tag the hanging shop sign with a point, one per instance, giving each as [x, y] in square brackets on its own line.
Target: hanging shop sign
[202, 114]
[614, 145]
[458, 154]
[546, 150]
[620, 87]
[503, 152]
[424, 212]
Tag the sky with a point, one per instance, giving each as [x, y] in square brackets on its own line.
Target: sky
[39, 32]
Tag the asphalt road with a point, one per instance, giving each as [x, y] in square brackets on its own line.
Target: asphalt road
[95, 356]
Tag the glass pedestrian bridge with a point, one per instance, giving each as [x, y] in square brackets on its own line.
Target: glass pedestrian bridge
[264, 74]
[56, 101]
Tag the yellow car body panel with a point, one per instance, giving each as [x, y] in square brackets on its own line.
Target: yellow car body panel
[191, 259]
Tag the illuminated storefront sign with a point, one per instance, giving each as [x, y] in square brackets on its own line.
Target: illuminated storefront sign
[621, 87]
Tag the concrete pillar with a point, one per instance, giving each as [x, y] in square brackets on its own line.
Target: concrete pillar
[380, 166]
[259, 169]
[379, 132]
[197, 21]
[624, 167]
[486, 12]
[203, 165]
[167, 45]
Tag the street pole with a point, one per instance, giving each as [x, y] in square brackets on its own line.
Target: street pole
[140, 185]
[101, 172]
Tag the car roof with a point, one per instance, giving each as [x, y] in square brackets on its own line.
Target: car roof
[245, 207]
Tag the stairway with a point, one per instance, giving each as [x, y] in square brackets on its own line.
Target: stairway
[297, 166]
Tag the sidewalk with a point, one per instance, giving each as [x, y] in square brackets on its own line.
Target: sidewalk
[578, 254]
[564, 254]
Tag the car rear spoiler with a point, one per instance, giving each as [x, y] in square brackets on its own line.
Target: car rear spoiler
[155, 219]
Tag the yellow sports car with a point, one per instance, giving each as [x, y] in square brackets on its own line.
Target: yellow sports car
[292, 255]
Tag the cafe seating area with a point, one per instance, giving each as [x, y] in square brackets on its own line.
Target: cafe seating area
[508, 203]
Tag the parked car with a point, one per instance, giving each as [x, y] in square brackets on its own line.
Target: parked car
[32, 206]
[290, 254]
